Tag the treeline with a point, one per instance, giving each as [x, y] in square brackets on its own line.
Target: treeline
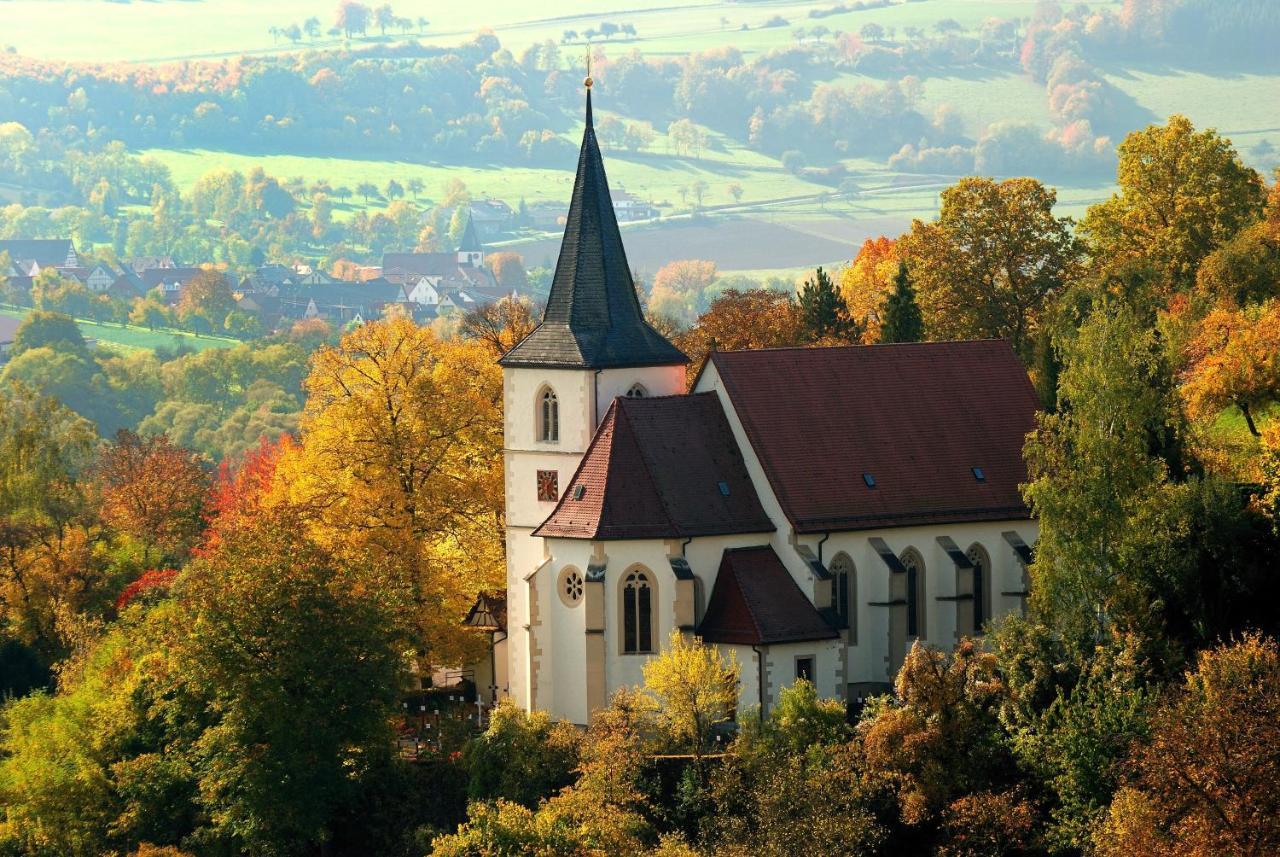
[460, 103]
[218, 402]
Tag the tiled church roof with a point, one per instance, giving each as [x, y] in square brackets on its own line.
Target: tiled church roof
[664, 467]
[913, 419]
[755, 601]
[593, 318]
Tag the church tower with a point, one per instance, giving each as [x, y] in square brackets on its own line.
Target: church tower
[470, 250]
[592, 346]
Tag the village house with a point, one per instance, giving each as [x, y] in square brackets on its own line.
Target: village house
[814, 511]
[44, 252]
[629, 207]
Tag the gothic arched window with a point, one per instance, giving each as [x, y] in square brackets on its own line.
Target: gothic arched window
[548, 416]
[844, 594]
[637, 613]
[981, 586]
[637, 391]
[915, 593]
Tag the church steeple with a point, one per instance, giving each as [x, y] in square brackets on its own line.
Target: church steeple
[593, 318]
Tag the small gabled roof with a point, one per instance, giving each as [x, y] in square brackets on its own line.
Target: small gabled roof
[593, 318]
[755, 602]
[46, 252]
[870, 436]
[664, 467]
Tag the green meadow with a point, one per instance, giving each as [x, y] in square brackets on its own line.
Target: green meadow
[131, 338]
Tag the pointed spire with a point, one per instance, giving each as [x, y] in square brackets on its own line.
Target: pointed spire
[470, 241]
[593, 317]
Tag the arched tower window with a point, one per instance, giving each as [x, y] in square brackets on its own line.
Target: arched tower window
[637, 612]
[981, 586]
[548, 416]
[844, 594]
[637, 391]
[914, 564]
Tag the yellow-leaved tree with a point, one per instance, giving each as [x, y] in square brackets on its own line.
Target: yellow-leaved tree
[695, 688]
[400, 468]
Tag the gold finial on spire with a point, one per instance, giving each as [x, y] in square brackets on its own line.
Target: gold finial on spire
[587, 83]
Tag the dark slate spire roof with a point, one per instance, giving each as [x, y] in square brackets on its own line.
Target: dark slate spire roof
[593, 318]
[470, 242]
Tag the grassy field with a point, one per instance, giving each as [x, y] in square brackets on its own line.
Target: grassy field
[131, 338]
[162, 31]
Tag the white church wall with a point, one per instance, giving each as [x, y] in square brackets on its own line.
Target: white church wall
[781, 663]
[868, 651]
[656, 380]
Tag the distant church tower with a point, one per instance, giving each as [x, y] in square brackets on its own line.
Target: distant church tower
[593, 345]
[470, 250]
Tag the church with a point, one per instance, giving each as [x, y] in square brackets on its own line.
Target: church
[813, 510]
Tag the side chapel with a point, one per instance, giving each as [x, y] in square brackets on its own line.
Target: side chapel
[816, 510]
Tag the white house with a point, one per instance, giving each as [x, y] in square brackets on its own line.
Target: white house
[814, 511]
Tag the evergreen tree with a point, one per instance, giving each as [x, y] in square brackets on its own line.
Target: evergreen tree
[902, 321]
[823, 312]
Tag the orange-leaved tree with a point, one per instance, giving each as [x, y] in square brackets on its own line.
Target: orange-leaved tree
[152, 491]
[759, 318]
[867, 283]
[1205, 785]
[1234, 360]
[399, 469]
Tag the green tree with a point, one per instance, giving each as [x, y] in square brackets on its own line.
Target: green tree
[54, 330]
[902, 321]
[1092, 471]
[1182, 194]
[522, 758]
[823, 312]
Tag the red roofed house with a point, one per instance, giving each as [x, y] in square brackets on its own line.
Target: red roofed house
[815, 511]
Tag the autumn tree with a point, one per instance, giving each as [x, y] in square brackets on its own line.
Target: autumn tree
[508, 270]
[500, 325]
[1182, 194]
[868, 281]
[680, 287]
[207, 297]
[153, 491]
[1205, 784]
[694, 687]
[902, 322]
[823, 312]
[741, 320]
[400, 466]
[986, 266]
[1234, 360]
[940, 737]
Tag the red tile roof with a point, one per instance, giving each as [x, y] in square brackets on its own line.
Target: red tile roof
[917, 418]
[654, 470]
[755, 601]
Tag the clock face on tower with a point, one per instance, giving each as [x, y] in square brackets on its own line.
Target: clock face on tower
[548, 485]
